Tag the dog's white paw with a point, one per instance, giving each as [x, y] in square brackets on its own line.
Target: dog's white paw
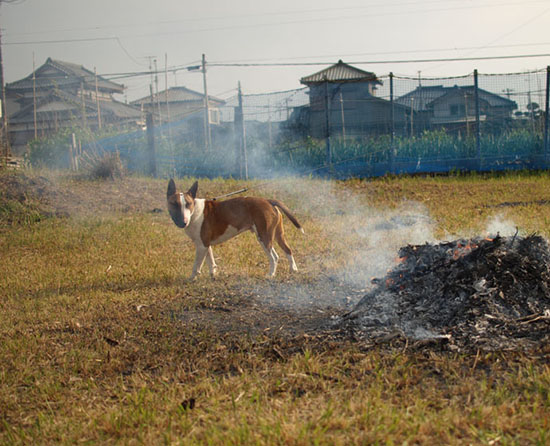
[193, 277]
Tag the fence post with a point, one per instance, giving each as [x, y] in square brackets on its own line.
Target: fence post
[478, 126]
[392, 127]
[237, 126]
[241, 131]
[547, 117]
[74, 152]
[207, 130]
[151, 144]
[327, 124]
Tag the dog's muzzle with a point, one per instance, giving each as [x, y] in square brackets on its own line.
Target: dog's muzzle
[178, 220]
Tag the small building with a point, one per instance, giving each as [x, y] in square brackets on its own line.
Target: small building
[184, 109]
[354, 109]
[61, 95]
[178, 103]
[454, 108]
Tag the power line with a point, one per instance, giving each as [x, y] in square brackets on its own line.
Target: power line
[42, 42]
[377, 53]
[294, 12]
[307, 20]
[187, 66]
[372, 62]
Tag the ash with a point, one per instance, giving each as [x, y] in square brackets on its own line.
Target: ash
[488, 294]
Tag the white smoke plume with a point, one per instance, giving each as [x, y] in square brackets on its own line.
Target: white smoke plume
[498, 224]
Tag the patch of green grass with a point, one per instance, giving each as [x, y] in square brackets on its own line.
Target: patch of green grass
[13, 212]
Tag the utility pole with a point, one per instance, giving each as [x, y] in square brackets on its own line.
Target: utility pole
[207, 131]
[151, 144]
[168, 118]
[508, 92]
[467, 113]
[392, 126]
[269, 129]
[478, 125]
[157, 91]
[327, 127]
[166, 91]
[34, 96]
[83, 105]
[546, 112]
[152, 100]
[4, 136]
[343, 117]
[412, 116]
[97, 101]
[242, 137]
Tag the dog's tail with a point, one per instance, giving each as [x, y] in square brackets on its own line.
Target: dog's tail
[292, 218]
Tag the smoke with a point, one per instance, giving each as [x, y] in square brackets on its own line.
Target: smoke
[381, 235]
[499, 225]
[356, 241]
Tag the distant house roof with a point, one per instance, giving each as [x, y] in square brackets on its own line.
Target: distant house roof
[58, 74]
[61, 101]
[176, 94]
[423, 98]
[340, 72]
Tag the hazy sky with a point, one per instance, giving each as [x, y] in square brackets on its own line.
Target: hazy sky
[119, 36]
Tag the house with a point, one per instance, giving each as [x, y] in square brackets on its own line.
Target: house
[185, 107]
[454, 108]
[60, 95]
[178, 103]
[354, 108]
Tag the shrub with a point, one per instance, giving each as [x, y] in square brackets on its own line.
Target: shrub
[105, 165]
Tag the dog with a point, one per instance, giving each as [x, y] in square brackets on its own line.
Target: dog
[211, 222]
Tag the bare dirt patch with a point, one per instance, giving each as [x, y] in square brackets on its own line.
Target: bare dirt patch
[71, 196]
[283, 309]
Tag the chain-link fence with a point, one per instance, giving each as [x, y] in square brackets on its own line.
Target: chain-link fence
[388, 124]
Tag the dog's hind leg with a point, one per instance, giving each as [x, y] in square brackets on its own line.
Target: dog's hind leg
[280, 237]
[211, 262]
[274, 254]
[273, 259]
[266, 241]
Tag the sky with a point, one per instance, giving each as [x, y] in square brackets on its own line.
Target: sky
[118, 37]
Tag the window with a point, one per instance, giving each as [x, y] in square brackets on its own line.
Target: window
[457, 110]
[214, 116]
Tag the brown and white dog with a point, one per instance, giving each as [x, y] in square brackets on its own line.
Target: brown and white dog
[210, 222]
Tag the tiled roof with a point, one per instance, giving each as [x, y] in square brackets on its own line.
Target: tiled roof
[419, 98]
[340, 72]
[68, 74]
[177, 94]
[58, 101]
[424, 97]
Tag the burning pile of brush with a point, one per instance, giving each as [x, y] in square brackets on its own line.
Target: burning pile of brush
[490, 294]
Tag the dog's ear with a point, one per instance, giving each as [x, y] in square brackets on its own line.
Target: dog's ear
[171, 188]
[193, 190]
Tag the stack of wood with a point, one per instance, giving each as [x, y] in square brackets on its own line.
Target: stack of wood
[11, 162]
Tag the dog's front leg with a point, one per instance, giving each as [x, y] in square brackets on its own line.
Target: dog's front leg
[211, 262]
[200, 255]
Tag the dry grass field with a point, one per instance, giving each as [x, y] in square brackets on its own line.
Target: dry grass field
[104, 341]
